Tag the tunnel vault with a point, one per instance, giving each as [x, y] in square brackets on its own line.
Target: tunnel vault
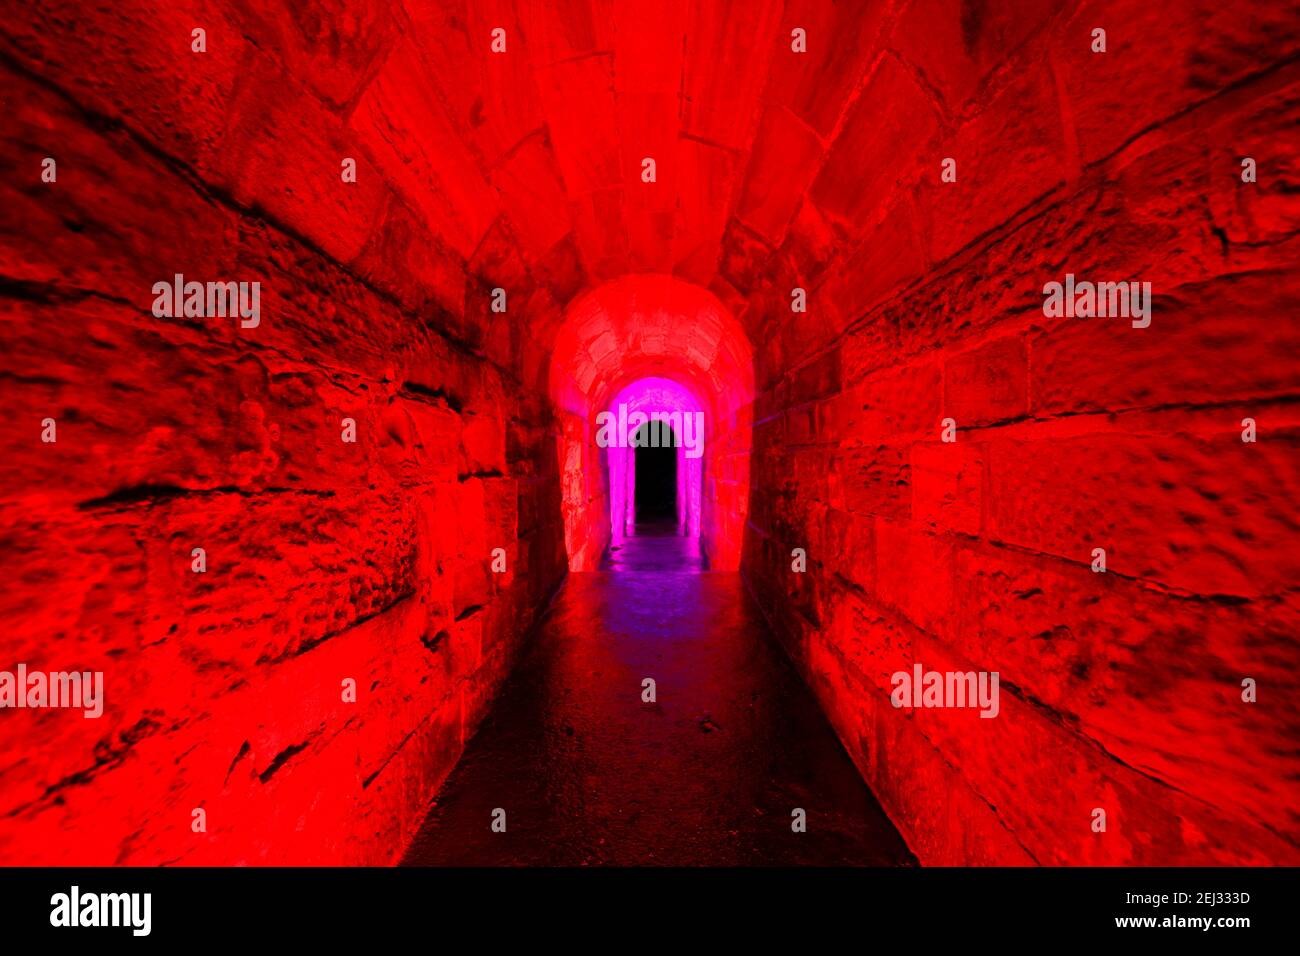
[306, 544]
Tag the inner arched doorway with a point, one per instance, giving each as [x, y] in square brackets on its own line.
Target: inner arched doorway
[652, 343]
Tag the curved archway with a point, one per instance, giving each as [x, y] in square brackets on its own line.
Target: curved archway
[658, 343]
[632, 408]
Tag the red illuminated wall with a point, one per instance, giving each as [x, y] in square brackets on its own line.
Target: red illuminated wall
[326, 561]
[1121, 690]
[523, 171]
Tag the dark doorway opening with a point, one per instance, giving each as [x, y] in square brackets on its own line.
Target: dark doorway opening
[656, 476]
[657, 543]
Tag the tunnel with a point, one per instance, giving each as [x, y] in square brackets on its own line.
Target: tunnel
[339, 338]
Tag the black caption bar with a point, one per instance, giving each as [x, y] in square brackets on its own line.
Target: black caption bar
[133, 906]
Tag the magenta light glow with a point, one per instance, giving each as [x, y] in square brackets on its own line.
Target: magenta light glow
[654, 397]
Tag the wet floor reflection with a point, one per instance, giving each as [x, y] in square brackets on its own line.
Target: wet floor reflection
[589, 773]
[655, 547]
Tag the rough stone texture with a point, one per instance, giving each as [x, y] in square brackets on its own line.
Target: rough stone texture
[326, 561]
[1120, 690]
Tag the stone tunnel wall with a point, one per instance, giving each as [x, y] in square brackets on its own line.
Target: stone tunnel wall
[1121, 691]
[326, 561]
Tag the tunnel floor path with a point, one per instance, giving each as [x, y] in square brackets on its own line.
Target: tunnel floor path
[708, 774]
[656, 546]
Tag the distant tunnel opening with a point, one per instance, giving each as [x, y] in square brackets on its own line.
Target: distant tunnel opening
[631, 349]
[655, 453]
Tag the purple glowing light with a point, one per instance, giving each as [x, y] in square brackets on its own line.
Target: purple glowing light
[656, 396]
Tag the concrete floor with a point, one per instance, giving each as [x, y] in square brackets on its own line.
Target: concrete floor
[708, 774]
